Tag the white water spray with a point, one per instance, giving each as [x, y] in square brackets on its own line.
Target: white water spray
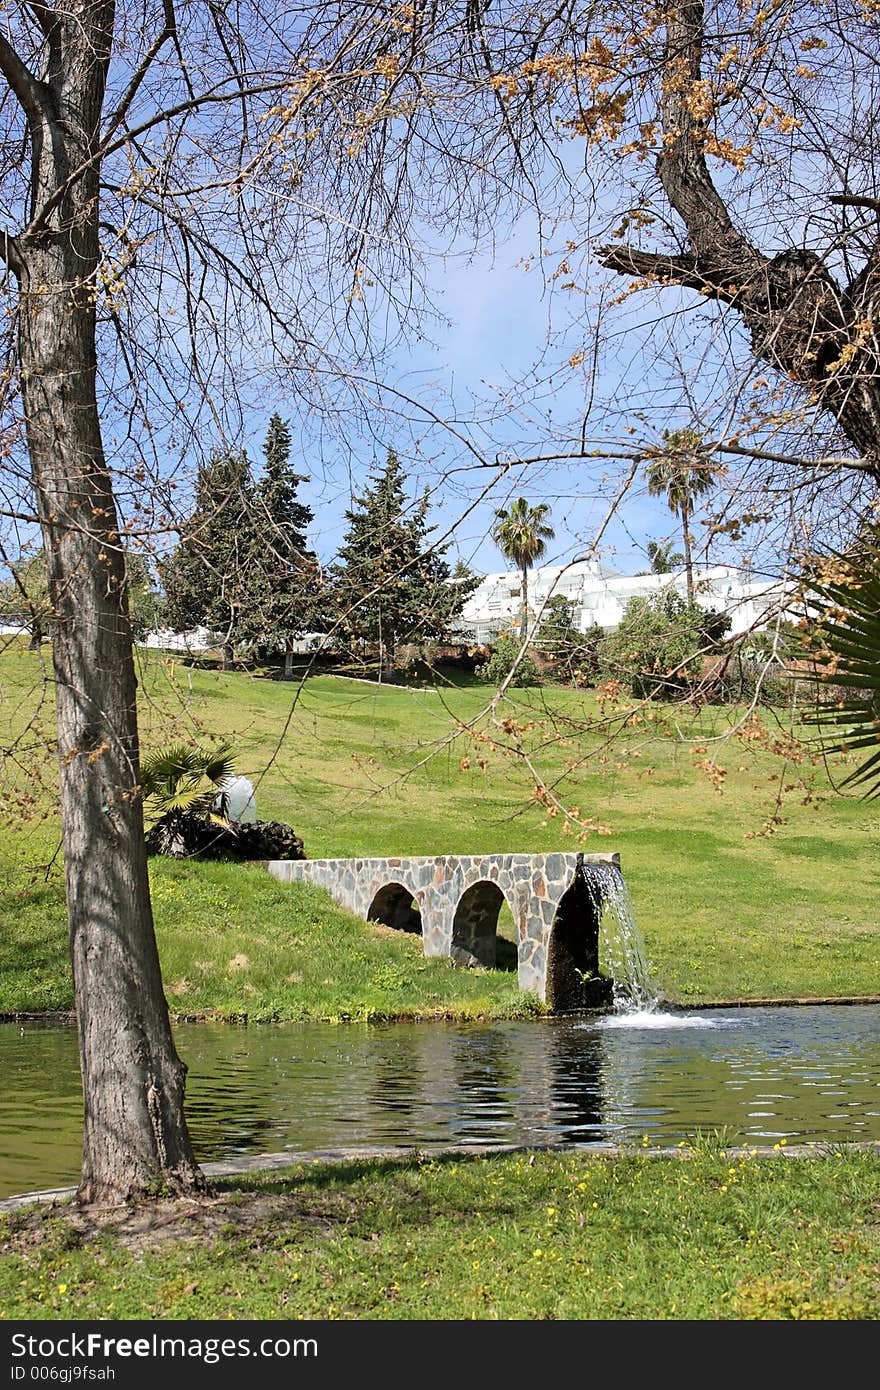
[621, 944]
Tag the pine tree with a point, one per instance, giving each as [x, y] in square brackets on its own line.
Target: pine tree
[284, 575]
[390, 585]
[206, 579]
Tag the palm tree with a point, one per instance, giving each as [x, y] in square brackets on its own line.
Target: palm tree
[184, 788]
[681, 474]
[843, 642]
[663, 558]
[521, 535]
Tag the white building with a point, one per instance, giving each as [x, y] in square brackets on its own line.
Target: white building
[600, 596]
[194, 642]
[202, 639]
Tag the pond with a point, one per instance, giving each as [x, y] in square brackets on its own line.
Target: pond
[805, 1073]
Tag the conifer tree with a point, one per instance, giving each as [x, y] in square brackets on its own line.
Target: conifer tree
[284, 575]
[389, 584]
[205, 579]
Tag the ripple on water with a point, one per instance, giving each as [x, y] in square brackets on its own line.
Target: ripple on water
[809, 1074]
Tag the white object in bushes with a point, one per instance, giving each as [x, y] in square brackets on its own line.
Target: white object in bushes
[241, 806]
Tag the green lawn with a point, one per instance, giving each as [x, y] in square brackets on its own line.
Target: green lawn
[738, 894]
[732, 903]
[544, 1236]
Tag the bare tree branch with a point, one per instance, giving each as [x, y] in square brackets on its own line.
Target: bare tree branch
[806, 325]
[118, 115]
[855, 200]
[33, 96]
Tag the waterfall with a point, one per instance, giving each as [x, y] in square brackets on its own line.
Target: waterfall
[621, 944]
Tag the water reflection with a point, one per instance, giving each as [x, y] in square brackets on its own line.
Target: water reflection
[799, 1073]
[576, 1082]
[486, 1091]
[396, 1082]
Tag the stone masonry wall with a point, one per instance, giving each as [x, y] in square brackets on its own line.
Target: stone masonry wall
[532, 884]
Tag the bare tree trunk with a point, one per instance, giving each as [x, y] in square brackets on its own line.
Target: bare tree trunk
[524, 622]
[688, 559]
[135, 1135]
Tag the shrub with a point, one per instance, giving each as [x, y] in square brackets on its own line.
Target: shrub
[573, 655]
[505, 650]
[659, 647]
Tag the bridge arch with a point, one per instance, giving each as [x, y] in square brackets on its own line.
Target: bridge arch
[395, 906]
[573, 978]
[475, 924]
[453, 902]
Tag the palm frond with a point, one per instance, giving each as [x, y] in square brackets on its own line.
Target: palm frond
[185, 779]
[843, 642]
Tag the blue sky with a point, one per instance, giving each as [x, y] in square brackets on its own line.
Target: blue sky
[502, 321]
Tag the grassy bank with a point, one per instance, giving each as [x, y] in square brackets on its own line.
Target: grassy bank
[738, 894]
[234, 943]
[545, 1236]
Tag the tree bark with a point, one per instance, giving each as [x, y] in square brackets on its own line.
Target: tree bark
[135, 1135]
[524, 621]
[688, 558]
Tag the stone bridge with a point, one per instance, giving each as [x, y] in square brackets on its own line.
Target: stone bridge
[453, 901]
